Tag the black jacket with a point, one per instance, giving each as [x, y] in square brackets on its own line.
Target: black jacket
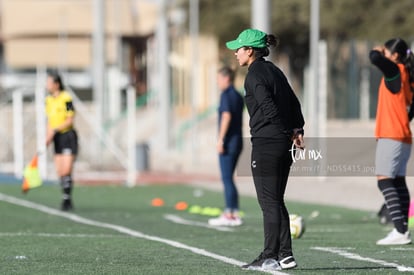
[273, 106]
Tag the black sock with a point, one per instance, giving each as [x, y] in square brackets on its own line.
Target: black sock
[404, 195]
[392, 200]
[66, 182]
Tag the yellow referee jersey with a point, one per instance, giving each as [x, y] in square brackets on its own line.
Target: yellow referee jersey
[58, 109]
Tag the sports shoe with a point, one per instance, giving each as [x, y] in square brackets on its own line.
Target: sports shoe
[225, 220]
[262, 263]
[66, 205]
[288, 263]
[395, 238]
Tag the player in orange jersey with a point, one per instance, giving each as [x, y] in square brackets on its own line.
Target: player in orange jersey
[396, 61]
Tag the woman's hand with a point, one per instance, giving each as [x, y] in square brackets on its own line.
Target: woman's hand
[49, 136]
[380, 49]
[220, 147]
[299, 142]
[297, 138]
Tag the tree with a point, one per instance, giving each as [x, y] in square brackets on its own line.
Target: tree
[340, 20]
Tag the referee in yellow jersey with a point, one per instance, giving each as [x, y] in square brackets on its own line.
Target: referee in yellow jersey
[60, 114]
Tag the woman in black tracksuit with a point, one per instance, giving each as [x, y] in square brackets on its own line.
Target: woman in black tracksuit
[276, 121]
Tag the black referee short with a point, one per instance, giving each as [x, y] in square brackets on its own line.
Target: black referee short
[66, 143]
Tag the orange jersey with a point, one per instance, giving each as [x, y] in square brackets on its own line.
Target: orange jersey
[392, 110]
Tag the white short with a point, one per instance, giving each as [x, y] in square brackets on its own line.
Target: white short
[391, 158]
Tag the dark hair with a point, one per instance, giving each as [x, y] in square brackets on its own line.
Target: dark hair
[271, 41]
[227, 71]
[405, 55]
[57, 79]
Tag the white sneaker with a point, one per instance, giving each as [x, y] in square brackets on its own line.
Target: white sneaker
[225, 220]
[288, 263]
[237, 221]
[396, 238]
[270, 265]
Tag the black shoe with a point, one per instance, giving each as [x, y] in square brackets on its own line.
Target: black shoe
[288, 263]
[66, 205]
[257, 264]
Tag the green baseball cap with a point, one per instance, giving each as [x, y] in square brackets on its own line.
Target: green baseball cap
[248, 38]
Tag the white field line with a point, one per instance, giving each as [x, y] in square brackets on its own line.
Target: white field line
[179, 220]
[121, 229]
[342, 252]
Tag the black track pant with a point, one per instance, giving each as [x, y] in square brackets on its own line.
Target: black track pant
[271, 161]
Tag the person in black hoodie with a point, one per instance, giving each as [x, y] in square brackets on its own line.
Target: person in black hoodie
[276, 121]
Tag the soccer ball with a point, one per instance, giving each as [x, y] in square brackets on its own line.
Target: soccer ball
[297, 226]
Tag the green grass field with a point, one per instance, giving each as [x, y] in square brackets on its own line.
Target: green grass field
[115, 230]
